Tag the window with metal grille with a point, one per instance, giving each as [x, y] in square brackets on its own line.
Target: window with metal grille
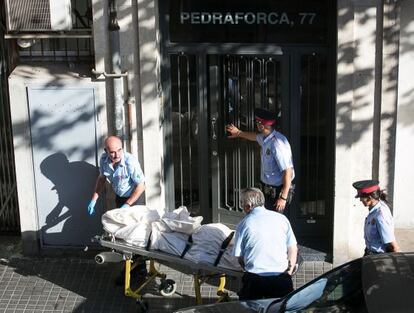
[75, 45]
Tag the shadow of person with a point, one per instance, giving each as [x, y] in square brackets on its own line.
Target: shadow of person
[68, 223]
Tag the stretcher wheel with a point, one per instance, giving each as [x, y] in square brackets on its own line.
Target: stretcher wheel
[142, 306]
[167, 287]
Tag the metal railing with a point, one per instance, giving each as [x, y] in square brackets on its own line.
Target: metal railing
[9, 208]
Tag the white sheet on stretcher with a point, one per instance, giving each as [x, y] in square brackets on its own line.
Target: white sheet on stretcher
[170, 233]
[131, 224]
[167, 241]
[180, 221]
[207, 241]
[206, 244]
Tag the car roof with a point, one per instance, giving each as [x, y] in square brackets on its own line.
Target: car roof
[388, 282]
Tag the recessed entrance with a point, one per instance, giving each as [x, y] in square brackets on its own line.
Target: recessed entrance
[207, 86]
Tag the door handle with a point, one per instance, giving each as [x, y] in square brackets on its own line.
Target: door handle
[213, 128]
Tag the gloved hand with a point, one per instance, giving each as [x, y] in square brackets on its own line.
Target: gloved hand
[91, 207]
[124, 206]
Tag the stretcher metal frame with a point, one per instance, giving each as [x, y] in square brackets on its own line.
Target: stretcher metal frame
[201, 272]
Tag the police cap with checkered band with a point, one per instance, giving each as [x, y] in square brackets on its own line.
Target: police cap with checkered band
[365, 187]
[264, 117]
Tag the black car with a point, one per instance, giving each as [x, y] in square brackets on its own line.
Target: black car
[376, 283]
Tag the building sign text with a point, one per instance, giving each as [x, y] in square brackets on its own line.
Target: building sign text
[248, 18]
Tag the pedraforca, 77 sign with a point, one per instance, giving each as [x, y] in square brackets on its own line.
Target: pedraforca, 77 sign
[247, 18]
[248, 21]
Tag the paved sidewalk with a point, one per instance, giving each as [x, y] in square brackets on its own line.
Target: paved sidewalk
[69, 284]
[405, 238]
[40, 285]
[78, 284]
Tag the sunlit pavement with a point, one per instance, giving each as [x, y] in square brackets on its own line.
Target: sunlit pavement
[63, 284]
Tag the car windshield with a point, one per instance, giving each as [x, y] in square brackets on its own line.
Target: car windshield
[339, 290]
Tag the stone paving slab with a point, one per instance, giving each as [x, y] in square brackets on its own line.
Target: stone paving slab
[46, 285]
[405, 238]
[67, 284]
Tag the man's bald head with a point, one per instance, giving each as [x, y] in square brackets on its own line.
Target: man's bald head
[112, 140]
[113, 147]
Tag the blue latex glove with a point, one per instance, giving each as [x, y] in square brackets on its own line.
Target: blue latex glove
[125, 205]
[91, 207]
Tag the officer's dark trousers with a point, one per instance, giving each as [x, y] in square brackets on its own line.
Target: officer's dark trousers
[263, 287]
[270, 199]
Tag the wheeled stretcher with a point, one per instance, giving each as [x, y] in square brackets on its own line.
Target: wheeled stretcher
[201, 272]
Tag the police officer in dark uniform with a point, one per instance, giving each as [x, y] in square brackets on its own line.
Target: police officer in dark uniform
[379, 225]
[277, 170]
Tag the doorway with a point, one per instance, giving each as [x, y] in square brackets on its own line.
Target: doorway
[208, 169]
[237, 84]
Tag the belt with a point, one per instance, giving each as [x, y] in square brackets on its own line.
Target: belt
[270, 190]
[292, 185]
[270, 186]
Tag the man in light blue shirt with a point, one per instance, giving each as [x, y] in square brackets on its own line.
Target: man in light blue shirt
[266, 248]
[277, 171]
[123, 171]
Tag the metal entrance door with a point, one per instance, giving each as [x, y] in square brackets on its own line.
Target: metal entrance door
[207, 92]
[209, 170]
[295, 86]
[237, 85]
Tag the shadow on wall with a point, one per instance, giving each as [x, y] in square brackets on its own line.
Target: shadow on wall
[69, 222]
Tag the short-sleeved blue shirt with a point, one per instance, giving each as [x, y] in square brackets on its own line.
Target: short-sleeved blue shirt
[379, 228]
[125, 176]
[276, 157]
[262, 238]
